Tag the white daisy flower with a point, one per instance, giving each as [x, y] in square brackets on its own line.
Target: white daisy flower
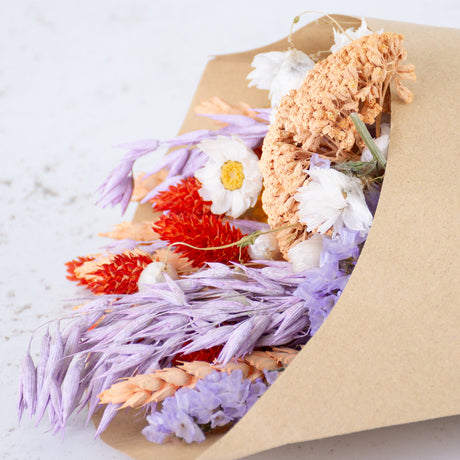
[333, 199]
[306, 254]
[231, 178]
[279, 72]
[382, 142]
[342, 39]
[265, 247]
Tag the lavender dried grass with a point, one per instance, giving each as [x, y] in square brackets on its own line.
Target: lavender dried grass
[238, 307]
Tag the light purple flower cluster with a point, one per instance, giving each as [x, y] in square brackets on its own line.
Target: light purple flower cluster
[216, 400]
[323, 286]
[182, 162]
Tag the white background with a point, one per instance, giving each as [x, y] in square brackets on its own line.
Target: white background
[77, 77]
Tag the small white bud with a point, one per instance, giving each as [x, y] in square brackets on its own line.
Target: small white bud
[265, 247]
[154, 273]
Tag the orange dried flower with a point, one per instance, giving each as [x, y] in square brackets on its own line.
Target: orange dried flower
[115, 274]
[73, 265]
[206, 231]
[183, 198]
[216, 105]
[139, 231]
[143, 185]
[181, 264]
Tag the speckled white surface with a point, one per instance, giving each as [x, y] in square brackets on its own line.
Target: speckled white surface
[77, 77]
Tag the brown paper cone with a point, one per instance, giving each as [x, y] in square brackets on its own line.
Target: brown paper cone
[389, 352]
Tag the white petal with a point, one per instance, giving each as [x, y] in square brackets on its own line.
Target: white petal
[213, 148]
[223, 149]
[357, 215]
[239, 204]
[333, 199]
[342, 39]
[266, 66]
[292, 73]
[221, 202]
[383, 142]
[306, 254]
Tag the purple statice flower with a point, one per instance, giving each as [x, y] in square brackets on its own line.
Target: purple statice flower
[320, 292]
[323, 285]
[345, 245]
[318, 162]
[216, 400]
[181, 163]
[172, 420]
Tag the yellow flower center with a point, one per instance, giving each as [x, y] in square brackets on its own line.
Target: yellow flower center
[232, 175]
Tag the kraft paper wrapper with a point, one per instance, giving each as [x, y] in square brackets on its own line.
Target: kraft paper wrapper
[389, 352]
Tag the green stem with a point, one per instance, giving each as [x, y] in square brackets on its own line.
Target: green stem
[245, 241]
[367, 138]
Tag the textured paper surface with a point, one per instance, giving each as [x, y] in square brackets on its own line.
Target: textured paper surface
[389, 352]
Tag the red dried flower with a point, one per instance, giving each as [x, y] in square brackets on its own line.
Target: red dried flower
[258, 150]
[120, 274]
[206, 231]
[208, 355]
[114, 274]
[182, 198]
[72, 265]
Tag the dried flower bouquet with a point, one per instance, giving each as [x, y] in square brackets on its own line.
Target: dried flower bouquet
[261, 222]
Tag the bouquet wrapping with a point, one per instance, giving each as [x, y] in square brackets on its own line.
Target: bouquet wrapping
[388, 353]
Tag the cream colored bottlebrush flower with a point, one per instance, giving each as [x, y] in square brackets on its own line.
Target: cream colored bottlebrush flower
[331, 199]
[231, 178]
[342, 39]
[306, 254]
[279, 72]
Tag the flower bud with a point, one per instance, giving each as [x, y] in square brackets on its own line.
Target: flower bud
[265, 247]
[154, 273]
